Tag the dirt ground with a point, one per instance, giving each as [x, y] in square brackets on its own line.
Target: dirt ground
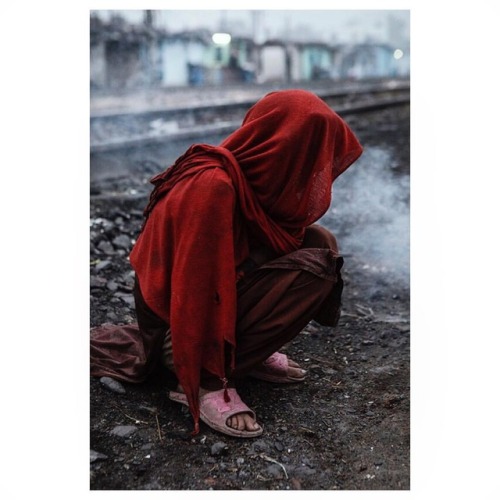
[347, 427]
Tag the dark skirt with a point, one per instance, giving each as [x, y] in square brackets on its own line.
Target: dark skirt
[275, 302]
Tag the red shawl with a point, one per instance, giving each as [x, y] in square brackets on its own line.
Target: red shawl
[264, 184]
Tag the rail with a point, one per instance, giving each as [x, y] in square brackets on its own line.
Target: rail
[120, 130]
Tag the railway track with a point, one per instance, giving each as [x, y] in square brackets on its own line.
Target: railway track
[119, 131]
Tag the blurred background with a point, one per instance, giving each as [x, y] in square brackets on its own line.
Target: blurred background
[135, 49]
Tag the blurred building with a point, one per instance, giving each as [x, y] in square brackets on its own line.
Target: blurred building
[125, 55]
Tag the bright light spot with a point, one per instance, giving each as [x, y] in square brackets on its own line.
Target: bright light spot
[398, 54]
[221, 38]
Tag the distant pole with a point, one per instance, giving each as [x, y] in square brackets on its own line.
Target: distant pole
[288, 55]
[150, 49]
[148, 18]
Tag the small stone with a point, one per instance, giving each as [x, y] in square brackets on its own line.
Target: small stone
[102, 265]
[330, 371]
[153, 485]
[219, 448]
[260, 446]
[124, 430]
[112, 317]
[303, 471]
[112, 384]
[279, 446]
[274, 470]
[128, 299]
[368, 342]
[122, 241]
[95, 455]
[97, 282]
[128, 280]
[106, 247]
[243, 474]
[112, 286]
[210, 481]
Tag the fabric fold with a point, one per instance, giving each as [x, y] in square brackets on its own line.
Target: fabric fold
[261, 187]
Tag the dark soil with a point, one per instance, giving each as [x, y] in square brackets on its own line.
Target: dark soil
[346, 427]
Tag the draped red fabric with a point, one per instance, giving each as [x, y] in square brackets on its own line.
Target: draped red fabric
[262, 186]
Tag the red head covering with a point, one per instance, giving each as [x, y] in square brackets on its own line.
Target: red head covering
[290, 148]
[282, 161]
[277, 171]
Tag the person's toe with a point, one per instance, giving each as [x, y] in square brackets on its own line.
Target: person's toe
[242, 422]
[294, 369]
[250, 423]
[234, 422]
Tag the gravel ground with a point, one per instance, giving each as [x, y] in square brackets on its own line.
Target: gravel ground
[347, 427]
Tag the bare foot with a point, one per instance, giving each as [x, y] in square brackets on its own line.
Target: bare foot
[273, 369]
[240, 421]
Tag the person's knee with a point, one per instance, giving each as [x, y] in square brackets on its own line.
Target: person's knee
[317, 236]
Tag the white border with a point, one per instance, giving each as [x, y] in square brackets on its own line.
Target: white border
[454, 246]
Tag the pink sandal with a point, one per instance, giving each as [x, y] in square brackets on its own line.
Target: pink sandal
[275, 369]
[214, 411]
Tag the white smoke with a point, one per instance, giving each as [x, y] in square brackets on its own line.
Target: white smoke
[370, 214]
